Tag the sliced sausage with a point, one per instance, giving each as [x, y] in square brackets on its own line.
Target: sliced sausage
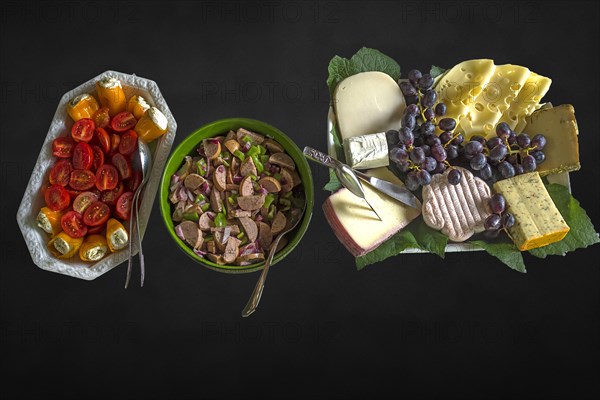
[193, 181]
[232, 187]
[218, 235]
[216, 202]
[235, 165]
[206, 221]
[255, 138]
[249, 226]
[271, 184]
[185, 169]
[237, 213]
[211, 247]
[247, 186]
[230, 135]
[283, 160]
[216, 258]
[191, 234]
[233, 229]
[231, 249]
[212, 148]
[251, 203]
[248, 167]
[265, 236]
[220, 178]
[279, 223]
[289, 179]
[250, 258]
[232, 145]
[229, 176]
[272, 146]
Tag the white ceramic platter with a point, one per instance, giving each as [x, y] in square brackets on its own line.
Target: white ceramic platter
[33, 199]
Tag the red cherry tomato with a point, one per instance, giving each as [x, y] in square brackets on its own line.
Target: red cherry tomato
[110, 196]
[60, 174]
[101, 117]
[83, 130]
[96, 214]
[82, 179]
[83, 201]
[123, 206]
[122, 164]
[134, 182]
[96, 229]
[72, 192]
[103, 139]
[57, 198]
[72, 224]
[115, 140]
[98, 157]
[129, 141]
[83, 156]
[107, 177]
[63, 147]
[123, 121]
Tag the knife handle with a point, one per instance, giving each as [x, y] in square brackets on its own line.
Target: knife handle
[319, 157]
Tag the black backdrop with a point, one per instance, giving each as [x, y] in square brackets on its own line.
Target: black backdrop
[414, 325]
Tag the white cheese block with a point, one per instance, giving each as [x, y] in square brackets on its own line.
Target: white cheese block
[368, 102]
[367, 151]
[356, 225]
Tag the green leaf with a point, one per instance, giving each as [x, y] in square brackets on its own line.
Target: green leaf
[337, 144]
[334, 184]
[436, 71]
[582, 233]
[506, 252]
[429, 239]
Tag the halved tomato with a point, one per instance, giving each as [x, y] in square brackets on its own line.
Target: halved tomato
[72, 224]
[134, 182]
[72, 192]
[98, 157]
[57, 198]
[96, 229]
[82, 179]
[123, 206]
[115, 140]
[96, 214]
[129, 141]
[83, 156]
[60, 174]
[83, 201]
[83, 130]
[103, 139]
[123, 121]
[101, 117]
[110, 196]
[122, 164]
[63, 147]
[107, 177]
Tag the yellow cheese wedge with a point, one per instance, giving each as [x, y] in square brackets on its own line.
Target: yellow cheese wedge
[559, 126]
[355, 224]
[528, 98]
[537, 220]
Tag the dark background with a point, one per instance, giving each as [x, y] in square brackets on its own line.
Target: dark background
[415, 325]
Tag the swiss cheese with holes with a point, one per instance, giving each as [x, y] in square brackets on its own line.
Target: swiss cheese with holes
[458, 211]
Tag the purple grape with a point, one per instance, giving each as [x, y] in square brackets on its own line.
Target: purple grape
[392, 137]
[493, 142]
[440, 109]
[503, 130]
[508, 220]
[432, 140]
[398, 155]
[478, 138]
[417, 155]
[407, 89]
[428, 99]
[493, 222]
[429, 164]
[478, 161]
[454, 176]
[513, 159]
[425, 82]
[523, 140]
[506, 169]
[411, 100]
[424, 177]
[418, 141]
[412, 182]
[409, 121]
[438, 152]
[414, 75]
[518, 169]
[538, 142]
[426, 150]
[512, 138]
[539, 156]
[429, 114]
[447, 124]
[445, 137]
[458, 140]
[441, 167]
[497, 203]
[491, 234]
[427, 128]
[529, 164]
[412, 109]
[486, 172]
[498, 152]
[452, 152]
[473, 147]
[405, 136]
[403, 167]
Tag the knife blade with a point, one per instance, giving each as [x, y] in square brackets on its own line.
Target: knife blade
[397, 192]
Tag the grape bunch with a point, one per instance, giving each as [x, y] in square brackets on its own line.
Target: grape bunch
[415, 149]
[500, 220]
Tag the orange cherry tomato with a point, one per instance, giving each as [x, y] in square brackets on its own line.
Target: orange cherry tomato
[98, 157]
[129, 142]
[83, 201]
[102, 138]
[101, 117]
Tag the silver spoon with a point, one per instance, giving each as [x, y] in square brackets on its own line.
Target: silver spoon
[144, 162]
[295, 218]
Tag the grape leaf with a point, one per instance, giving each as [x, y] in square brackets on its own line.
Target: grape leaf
[582, 233]
[334, 184]
[506, 252]
[436, 71]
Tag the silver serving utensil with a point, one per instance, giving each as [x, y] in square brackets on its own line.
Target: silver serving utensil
[295, 218]
[144, 162]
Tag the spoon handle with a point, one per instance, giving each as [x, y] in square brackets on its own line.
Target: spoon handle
[260, 285]
[319, 157]
[139, 236]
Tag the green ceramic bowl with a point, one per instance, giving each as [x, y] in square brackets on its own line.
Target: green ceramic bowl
[221, 127]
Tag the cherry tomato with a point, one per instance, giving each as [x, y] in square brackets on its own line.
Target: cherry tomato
[134, 182]
[123, 121]
[122, 165]
[72, 224]
[107, 177]
[83, 130]
[123, 206]
[72, 192]
[63, 147]
[96, 229]
[60, 174]
[101, 117]
[103, 139]
[110, 196]
[57, 198]
[83, 201]
[96, 214]
[98, 157]
[129, 141]
[83, 156]
[82, 179]
[115, 140]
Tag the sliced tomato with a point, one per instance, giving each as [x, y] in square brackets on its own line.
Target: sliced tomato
[72, 224]
[82, 179]
[57, 198]
[72, 192]
[83, 130]
[123, 121]
[129, 142]
[83, 201]
[63, 147]
[60, 174]
[83, 156]
[123, 206]
[98, 157]
[122, 164]
[115, 140]
[110, 196]
[96, 214]
[107, 177]
[102, 138]
[134, 182]
[96, 229]
[101, 117]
